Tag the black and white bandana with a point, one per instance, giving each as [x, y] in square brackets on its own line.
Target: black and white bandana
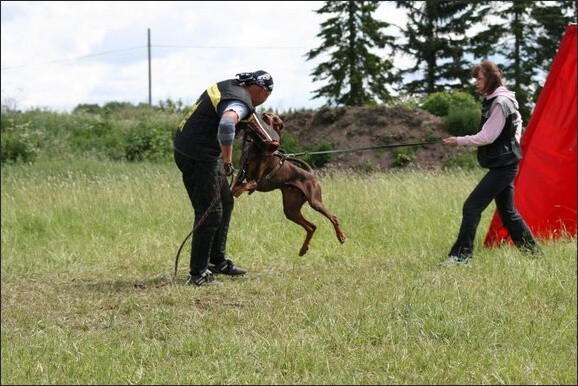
[260, 78]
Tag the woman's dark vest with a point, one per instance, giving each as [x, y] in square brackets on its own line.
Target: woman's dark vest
[505, 150]
[196, 136]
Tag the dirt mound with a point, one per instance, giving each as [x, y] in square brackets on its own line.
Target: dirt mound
[348, 128]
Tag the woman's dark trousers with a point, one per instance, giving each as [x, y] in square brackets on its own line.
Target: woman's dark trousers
[498, 185]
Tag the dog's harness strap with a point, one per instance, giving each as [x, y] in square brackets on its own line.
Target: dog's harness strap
[279, 164]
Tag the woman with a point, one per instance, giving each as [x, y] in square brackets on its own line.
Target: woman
[498, 143]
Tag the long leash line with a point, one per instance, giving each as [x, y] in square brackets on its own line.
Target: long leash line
[213, 203]
[202, 219]
[285, 155]
[360, 148]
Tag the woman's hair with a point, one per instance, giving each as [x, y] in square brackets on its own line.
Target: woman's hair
[492, 73]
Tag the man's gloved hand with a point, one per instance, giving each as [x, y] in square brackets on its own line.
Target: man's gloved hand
[228, 169]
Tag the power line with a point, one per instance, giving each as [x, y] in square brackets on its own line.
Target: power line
[57, 61]
[231, 47]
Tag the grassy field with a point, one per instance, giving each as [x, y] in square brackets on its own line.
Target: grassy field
[88, 252]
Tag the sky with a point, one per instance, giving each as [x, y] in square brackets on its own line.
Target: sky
[57, 55]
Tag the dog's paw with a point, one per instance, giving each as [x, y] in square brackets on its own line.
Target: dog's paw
[236, 191]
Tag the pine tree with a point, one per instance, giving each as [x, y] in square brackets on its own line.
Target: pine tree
[553, 19]
[435, 37]
[355, 74]
[522, 37]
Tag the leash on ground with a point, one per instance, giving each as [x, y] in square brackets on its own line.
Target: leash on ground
[218, 194]
[362, 148]
[201, 220]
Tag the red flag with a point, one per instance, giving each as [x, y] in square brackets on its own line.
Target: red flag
[546, 182]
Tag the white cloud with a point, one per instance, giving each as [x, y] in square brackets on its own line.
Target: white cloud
[60, 54]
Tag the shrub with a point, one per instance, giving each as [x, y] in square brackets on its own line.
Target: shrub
[402, 156]
[97, 136]
[19, 144]
[289, 143]
[148, 133]
[459, 110]
[441, 103]
[462, 121]
[91, 108]
[462, 160]
[318, 160]
[437, 103]
[150, 144]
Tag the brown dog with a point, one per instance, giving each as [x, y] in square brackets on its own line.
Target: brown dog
[266, 171]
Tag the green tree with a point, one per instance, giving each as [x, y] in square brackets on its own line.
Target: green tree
[435, 37]
[523, 37]
[354, 75]
[553, 19]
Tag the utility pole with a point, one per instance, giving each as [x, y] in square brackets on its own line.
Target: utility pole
[149, 49]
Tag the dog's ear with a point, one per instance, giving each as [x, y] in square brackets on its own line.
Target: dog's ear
[274, 122]
[278, 124]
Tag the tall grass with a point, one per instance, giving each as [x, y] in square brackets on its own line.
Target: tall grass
[88, 250]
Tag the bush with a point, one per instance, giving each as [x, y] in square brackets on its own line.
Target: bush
[441, 103]
[437, 103]
[402, 156]
[149, 144]
[462, 160]
[318, 160]
[289, 143]
[459, 110]
[19, 144]
[97, 136]
[462, 121]
[91, 108]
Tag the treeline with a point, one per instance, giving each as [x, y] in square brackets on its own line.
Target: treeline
[442, 39]
[124, 132]
[116, 131]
